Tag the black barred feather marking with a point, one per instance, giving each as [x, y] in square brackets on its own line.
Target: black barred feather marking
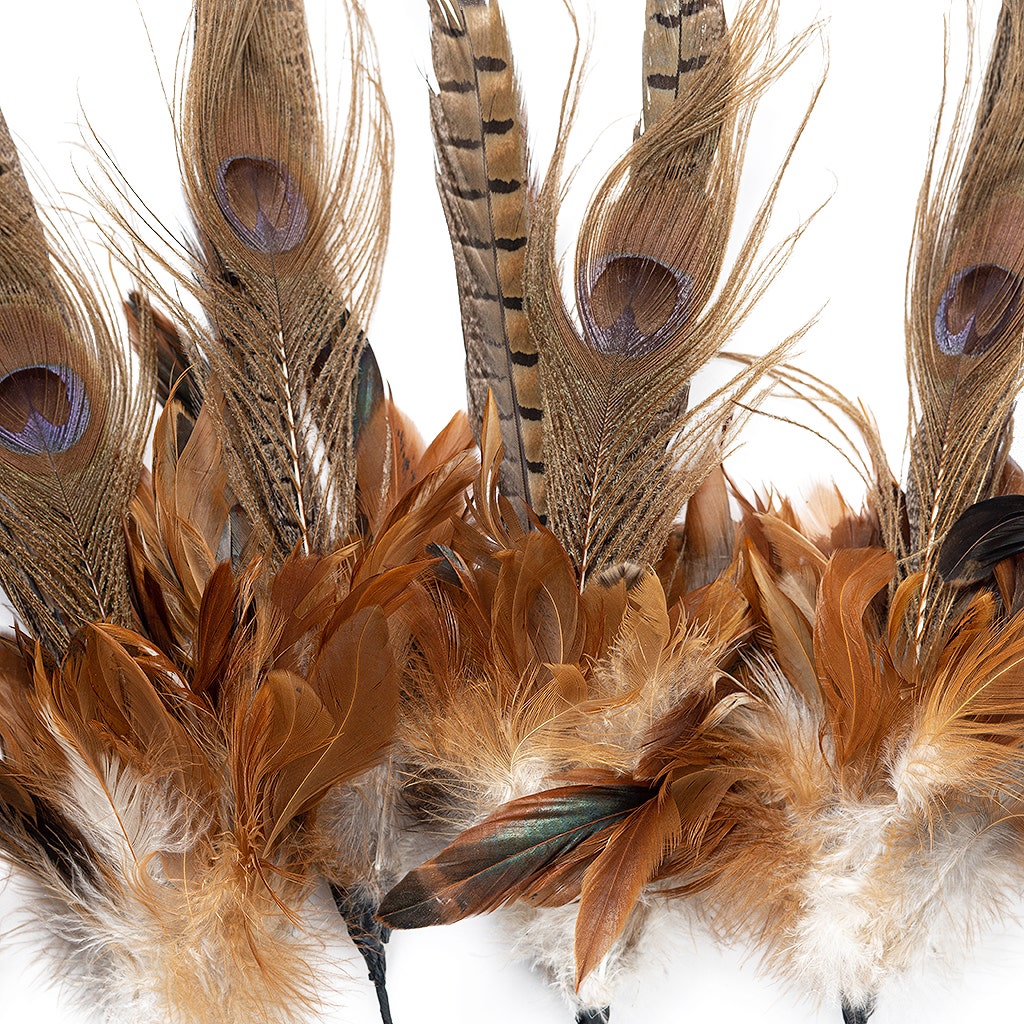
[483, 178]
[679, 39]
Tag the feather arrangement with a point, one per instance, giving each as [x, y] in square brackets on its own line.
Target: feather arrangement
[576, 676]
[577, 669]
[840, 785]
[197, 715]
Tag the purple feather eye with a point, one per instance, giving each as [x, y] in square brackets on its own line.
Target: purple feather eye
[634, 304]
[979, 303]
[43, 408]
[262, 202]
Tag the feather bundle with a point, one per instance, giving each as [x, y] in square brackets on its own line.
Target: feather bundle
[863, 763]
[879, 756]
[303, 643]
[196, 726]
[585, 770]
[587, 680]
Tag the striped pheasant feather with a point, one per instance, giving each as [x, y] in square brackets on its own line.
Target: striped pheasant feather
[483, 178]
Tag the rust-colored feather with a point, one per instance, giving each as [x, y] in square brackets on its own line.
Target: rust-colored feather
[504, 855]
[613, 882]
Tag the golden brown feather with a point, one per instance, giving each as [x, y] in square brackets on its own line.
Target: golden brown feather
[653, 310]
[483, 178]
[291, 232]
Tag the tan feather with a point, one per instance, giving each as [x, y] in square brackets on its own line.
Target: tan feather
[484, 181]
[290, 259]
[181, 526]
[73, 417]
[965, 317]
[648, 263]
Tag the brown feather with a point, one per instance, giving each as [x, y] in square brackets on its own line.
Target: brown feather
[483, 178]
[290, 260]
[613, 882]
[647, 270]
[73, 418]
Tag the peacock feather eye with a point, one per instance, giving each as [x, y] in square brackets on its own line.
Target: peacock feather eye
[634, 303]
[978, 305]
[262, 202]
[43, 408]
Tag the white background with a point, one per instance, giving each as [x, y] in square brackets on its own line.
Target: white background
[865, 150]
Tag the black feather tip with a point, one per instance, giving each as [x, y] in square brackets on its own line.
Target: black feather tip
[985, 534]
